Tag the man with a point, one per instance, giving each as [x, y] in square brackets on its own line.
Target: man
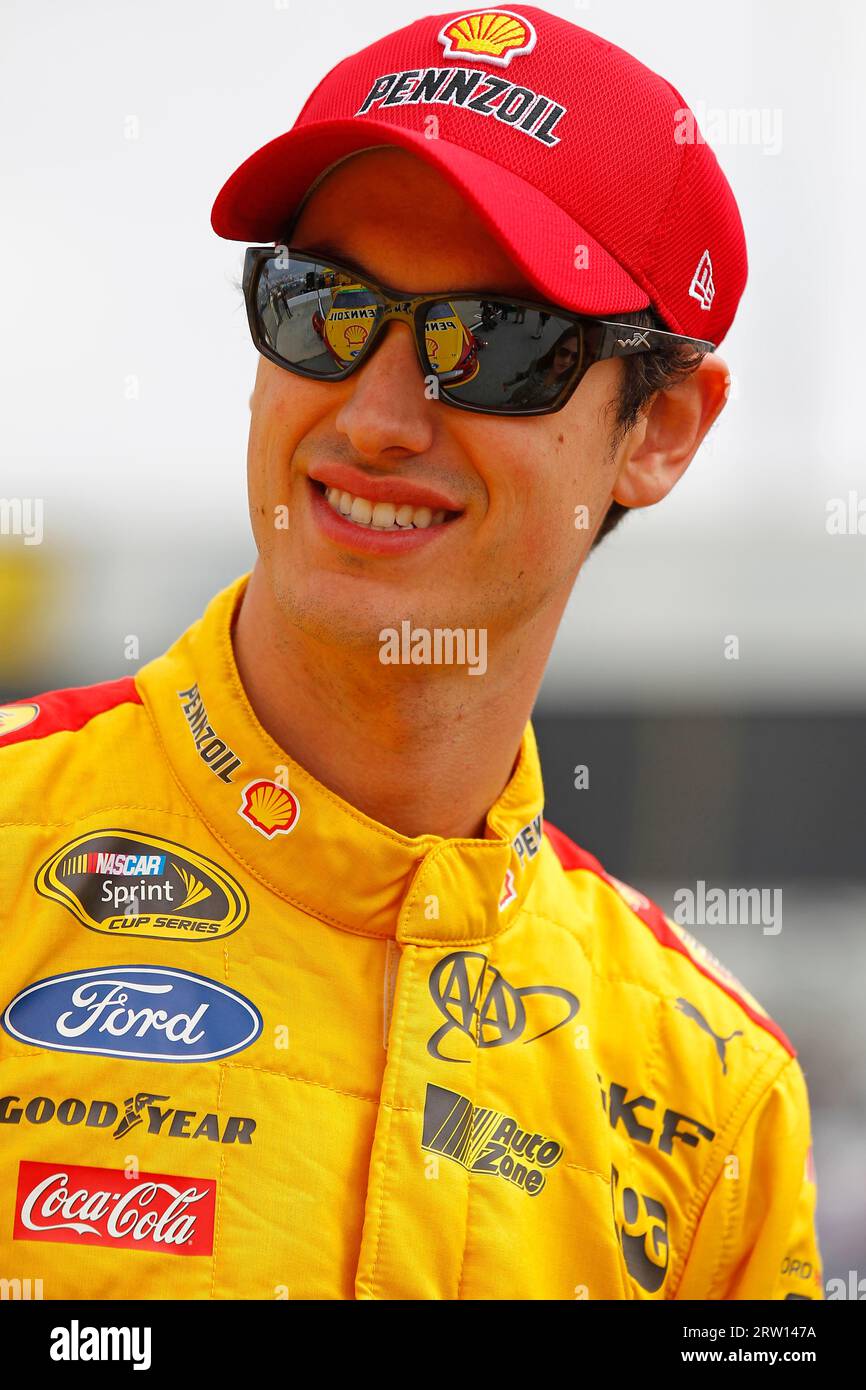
[302, 999]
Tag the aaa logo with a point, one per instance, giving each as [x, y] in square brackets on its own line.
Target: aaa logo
[476, 999]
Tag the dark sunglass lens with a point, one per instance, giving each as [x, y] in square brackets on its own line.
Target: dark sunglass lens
[499, 356]
[313, 316]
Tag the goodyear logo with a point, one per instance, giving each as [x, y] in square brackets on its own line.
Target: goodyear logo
[119, 881]
[495, 35]
[486, 1141]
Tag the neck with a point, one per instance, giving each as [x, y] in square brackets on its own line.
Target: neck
[417, 749]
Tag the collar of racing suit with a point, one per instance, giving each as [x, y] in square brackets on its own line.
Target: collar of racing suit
[332, 862]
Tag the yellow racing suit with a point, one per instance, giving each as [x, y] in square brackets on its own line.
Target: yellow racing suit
[256, 1045]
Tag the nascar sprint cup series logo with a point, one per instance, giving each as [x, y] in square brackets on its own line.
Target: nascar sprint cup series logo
[117, 881]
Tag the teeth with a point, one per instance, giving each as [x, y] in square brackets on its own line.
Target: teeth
[382, 516]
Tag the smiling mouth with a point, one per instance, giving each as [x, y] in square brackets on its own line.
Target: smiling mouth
[382, 515]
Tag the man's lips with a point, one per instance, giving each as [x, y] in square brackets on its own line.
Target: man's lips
[383, 487]
[369, 540]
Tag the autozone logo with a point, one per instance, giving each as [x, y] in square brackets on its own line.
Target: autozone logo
[75, 1205]
[483, 1140]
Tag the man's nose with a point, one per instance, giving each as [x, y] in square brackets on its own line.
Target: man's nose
[388, 406]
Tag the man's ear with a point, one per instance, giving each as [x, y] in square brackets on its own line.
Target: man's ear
[660, 448]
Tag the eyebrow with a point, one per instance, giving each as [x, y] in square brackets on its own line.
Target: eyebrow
[327, 249]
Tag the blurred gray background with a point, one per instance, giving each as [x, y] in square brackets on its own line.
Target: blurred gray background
[125, 371]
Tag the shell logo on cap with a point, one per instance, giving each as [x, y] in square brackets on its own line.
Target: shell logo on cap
[495, 36]
[269, 808]
[15, 717]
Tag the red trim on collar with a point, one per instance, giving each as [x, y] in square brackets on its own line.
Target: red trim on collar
[571, 856]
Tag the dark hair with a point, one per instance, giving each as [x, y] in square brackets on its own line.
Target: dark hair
[644, 375]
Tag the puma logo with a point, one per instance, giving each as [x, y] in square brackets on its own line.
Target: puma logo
[721, 1043]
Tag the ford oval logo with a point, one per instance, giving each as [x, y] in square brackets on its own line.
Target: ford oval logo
[141, 1011]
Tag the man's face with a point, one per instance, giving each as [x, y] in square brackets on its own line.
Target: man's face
[509, 550]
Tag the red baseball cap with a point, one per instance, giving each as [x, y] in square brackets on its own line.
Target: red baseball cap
[588, 168]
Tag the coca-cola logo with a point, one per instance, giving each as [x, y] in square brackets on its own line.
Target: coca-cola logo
[144, 1011]
[76, 1205]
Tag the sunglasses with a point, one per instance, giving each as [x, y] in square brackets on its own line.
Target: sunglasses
[321, 319]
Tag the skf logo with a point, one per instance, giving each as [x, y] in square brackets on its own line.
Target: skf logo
[15, 717]
[495, 36]
[477, 1000]
[642, 1230]
[486, 1141]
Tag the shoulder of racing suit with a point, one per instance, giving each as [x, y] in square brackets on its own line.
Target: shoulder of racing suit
[660, 950]
[71, 754]
[695, 1063]
[68, 752]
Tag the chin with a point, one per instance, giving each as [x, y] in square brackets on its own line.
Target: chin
[330, 609]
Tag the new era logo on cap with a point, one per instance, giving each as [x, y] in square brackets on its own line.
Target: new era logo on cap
[702, 287]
